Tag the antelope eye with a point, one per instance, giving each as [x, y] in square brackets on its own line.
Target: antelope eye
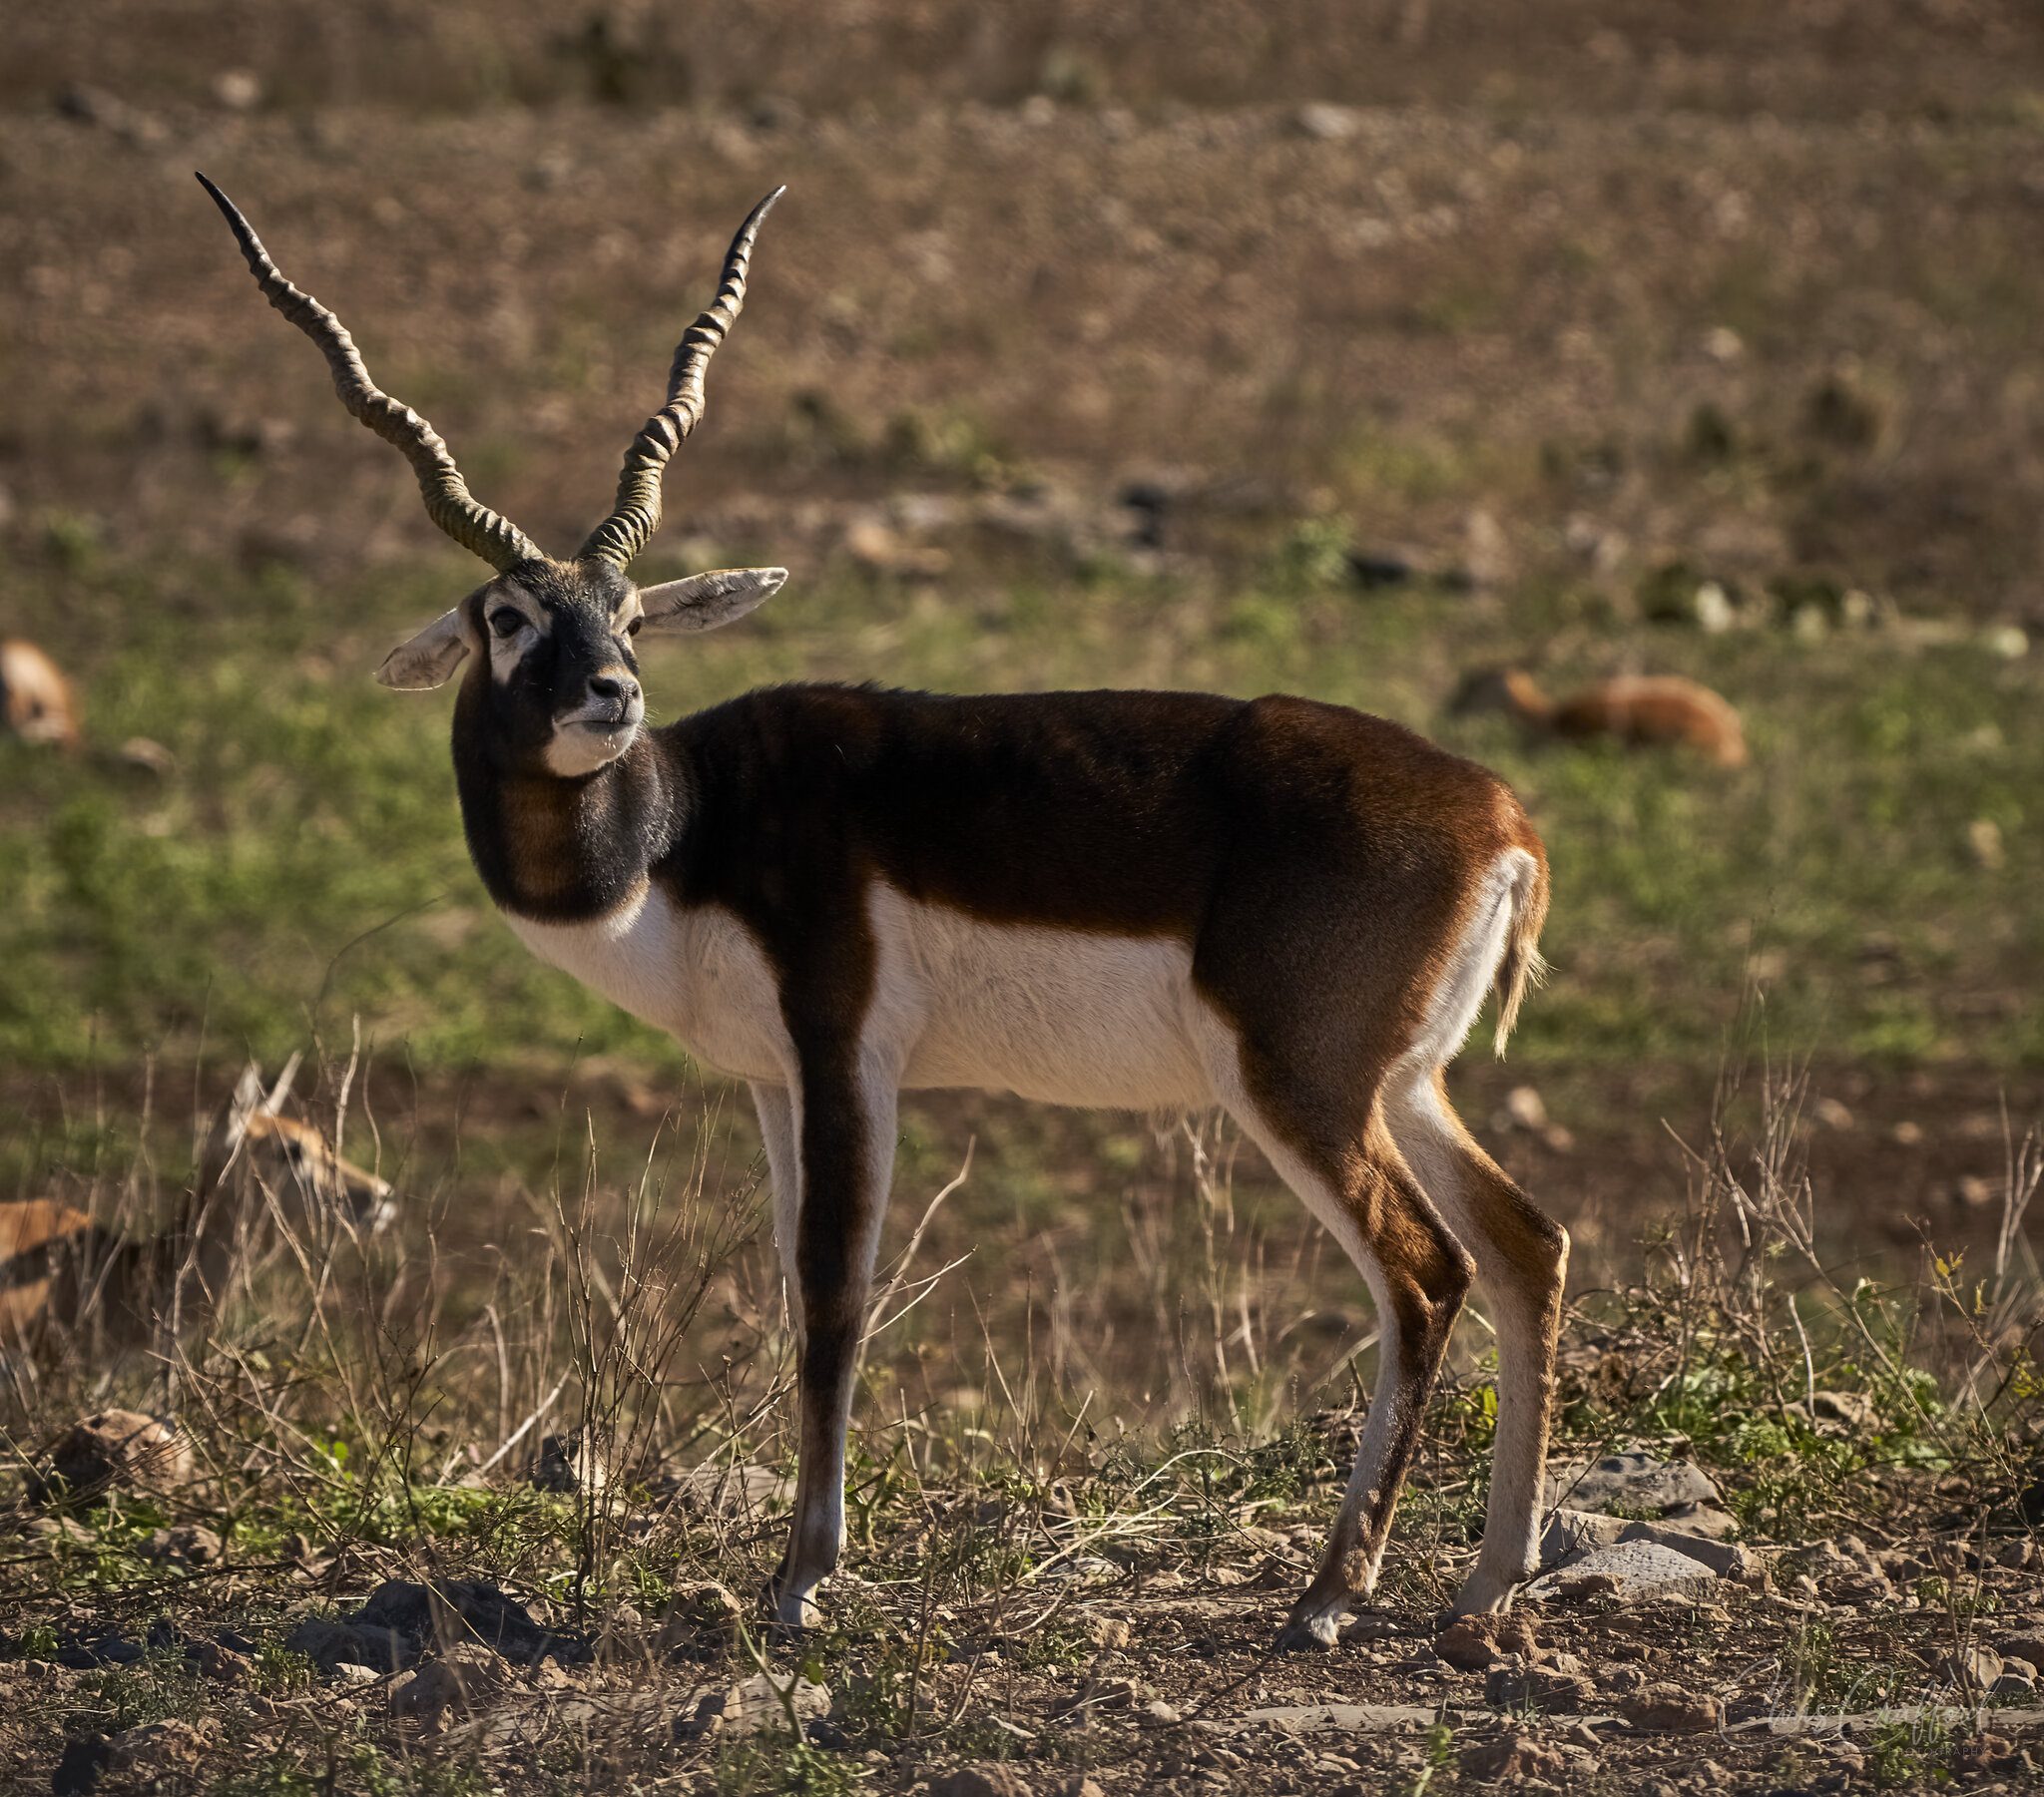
[506, 623]
[632, 629]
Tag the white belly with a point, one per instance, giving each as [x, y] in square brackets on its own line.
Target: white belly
[1061, 1016]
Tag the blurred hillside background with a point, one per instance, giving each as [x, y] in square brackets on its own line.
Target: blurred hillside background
[1341, 348]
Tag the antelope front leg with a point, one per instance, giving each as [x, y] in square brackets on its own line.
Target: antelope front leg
[844, 1126]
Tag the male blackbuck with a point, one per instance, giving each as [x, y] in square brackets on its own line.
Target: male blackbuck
[1150, 901]
[1633, 708]
[64, 1275]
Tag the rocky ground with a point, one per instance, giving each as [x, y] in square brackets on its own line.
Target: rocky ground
[1003, 1645]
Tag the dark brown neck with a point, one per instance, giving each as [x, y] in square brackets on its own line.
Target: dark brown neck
[563, 850]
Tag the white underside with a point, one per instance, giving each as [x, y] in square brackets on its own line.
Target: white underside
[1061, 1016]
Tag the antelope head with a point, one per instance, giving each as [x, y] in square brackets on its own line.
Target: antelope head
[251, 1131]
[554, 678]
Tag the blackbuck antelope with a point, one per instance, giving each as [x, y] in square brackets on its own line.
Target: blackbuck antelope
[1152, 901]
[1633, 708]
[63, 1274]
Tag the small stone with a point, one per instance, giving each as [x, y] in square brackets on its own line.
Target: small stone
[114, 1449]
[1526, 1110]
[1983, 838]
[1670, 1709]
[1476, 1643]
[1110, 1632]
[188, 1545]
[1715, 610]
[461, 1679]
[703, 1606]
[1081, 1787]
[1973, 1668]
[238, 90]
[220, 1663]
[1537, 1689]
[1326, 123]
[1569, 1532]
[1509, 1756]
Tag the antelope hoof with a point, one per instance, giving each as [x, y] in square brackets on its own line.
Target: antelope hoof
[1310, 1628]
[789, 1609]
[1485, 1594]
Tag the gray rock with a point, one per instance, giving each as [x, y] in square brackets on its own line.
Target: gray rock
[1329, 122]
[1632, 1482]
[1569, 1532]
[1703, 1520]
[1624, 1570]
[1725, 1558]
[758, 1705]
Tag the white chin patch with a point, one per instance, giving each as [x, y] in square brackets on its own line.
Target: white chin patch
[579, 748]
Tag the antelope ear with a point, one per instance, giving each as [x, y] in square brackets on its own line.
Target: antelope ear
[702, 602]
[429, 659]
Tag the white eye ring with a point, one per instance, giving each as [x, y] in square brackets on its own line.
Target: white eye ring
[506, 621]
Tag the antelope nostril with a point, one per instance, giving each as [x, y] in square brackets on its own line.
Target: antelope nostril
[619, 686]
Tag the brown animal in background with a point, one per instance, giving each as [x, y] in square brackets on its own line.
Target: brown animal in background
[60, 1271]
[36, 701]
[1636, 709]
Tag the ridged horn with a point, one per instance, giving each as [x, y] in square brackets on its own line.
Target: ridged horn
[629, 527]
[448, 503]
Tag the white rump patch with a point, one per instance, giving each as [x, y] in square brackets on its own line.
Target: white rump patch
[1472, 967]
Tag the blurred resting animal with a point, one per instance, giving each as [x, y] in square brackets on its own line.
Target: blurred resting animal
[62, 1273]
[1144, 901]
[1634, 707]
[36, 701]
